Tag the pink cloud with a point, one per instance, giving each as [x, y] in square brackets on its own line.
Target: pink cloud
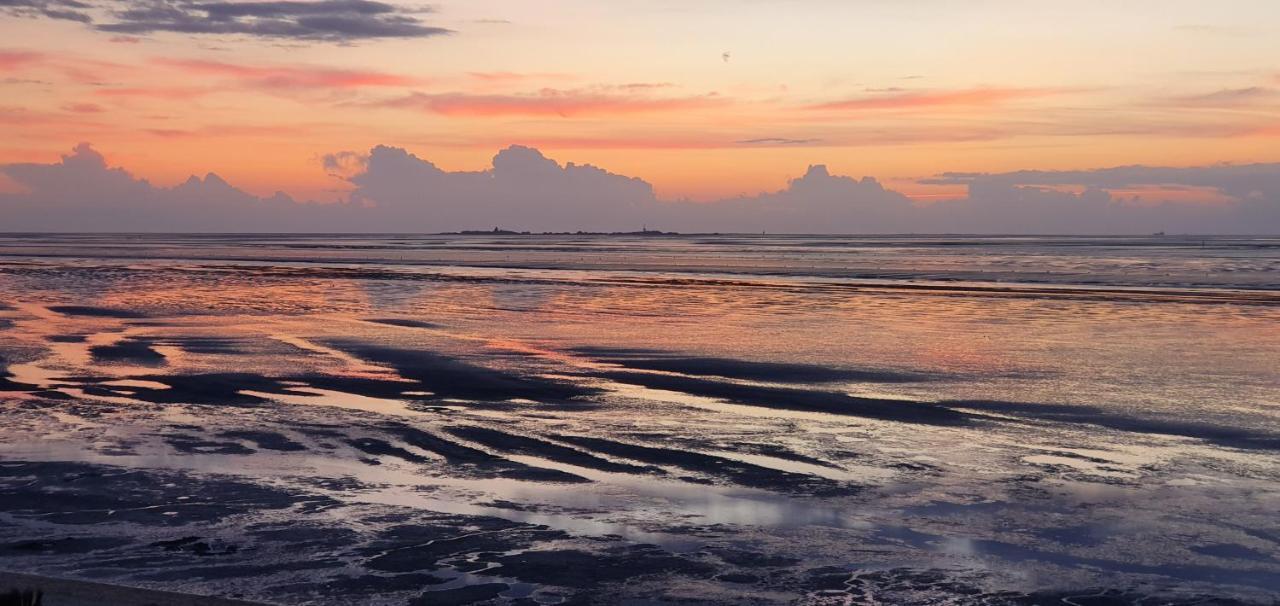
[625, 142]
[637, 86]
[226, 130]
[21, 119]
[972, 97]
[83, 108]
[518, 77]
[11, 60]
[23, 116]
[550, 102]
[295, 77]
[77, 69]
[1263, 131]
[159, 92]
[1230, 97]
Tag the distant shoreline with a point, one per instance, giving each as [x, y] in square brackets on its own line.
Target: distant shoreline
[649, 233]
[507, 232]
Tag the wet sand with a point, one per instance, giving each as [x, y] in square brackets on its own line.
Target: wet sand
[313, 434]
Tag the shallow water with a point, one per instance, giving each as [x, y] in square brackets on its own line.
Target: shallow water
[710, 418]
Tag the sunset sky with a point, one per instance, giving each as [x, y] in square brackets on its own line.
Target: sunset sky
[704, 99]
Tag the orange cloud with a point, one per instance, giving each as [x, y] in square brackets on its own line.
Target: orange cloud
[1227, 98]
[74, 68]
[283, 77]
[692, 139]
[1263, 131]
[226, 130]
[517, 77]
[12, 60]
[619, 142]
[972, 97]
[159, 92]
[84, 108]
[549, 102]
[21, 118]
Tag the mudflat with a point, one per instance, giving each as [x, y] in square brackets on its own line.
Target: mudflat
[581, 419]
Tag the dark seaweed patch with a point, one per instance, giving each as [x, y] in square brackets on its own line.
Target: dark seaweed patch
[525, 445]
[781, 452]
[479, 460]
[95, 312]
[404, 322]
[196, 445]
[67, 338]
[1231, 551]
[738, 472]
[448, 377]
[797, 399]
[133, 351]
[1235, 437]
[203, 345]
[374, 388]
[452, 451]
[8, 384]
[375, 446]
[772, 372]
[207, 388]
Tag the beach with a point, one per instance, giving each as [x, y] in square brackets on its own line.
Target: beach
[713, 419]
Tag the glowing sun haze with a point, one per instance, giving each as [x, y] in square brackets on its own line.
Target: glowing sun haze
[709, 100]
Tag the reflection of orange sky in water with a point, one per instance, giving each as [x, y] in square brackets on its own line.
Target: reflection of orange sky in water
[720, 320]
[971, 335]
[1018, 348]
[923, 331]
[226, 294]
[966, 355]
[290, 311]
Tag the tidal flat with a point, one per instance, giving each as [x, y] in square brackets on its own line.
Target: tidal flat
[676, 419]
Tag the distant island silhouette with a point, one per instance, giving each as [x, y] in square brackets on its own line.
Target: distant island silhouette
[508, 232]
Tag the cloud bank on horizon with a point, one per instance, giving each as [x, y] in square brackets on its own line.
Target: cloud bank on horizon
[396, 191]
